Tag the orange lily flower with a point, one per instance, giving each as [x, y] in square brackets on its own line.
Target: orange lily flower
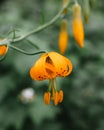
[3, 49]
[49, 66]
[78, 29]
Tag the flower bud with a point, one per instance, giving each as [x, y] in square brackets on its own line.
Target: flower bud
[63, 37]
[78, 30]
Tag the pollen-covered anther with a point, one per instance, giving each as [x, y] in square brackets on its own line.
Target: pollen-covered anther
[60, 96]
[57, 97]
[47, 98]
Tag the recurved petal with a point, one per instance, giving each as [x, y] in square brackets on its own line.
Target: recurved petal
[38, 72]
[62, 65]
[43, 68]
[69, 67]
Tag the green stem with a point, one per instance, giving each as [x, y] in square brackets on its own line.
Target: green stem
[24, 52]
[54, 84]
[32, 44]
[41, 27]
[50, 85]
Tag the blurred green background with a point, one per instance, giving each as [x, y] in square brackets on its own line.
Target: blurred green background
[83, 105]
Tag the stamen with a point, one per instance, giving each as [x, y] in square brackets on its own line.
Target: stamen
[47, 98]
[56, 98]
[60, 96]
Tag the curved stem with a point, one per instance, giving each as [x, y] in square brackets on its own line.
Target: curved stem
[34, 45]
[50, 85]
[44, 26]
[24, 52]
[41, 27]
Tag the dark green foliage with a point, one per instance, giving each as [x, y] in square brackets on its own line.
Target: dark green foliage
[83, 105]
